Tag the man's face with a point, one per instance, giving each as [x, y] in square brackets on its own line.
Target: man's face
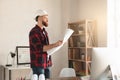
[45, 21]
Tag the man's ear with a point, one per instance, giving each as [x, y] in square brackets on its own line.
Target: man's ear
[40, 18]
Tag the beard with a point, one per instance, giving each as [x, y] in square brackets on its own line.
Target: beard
[45, 23]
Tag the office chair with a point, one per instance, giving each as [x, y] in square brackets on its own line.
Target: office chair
[67, 72]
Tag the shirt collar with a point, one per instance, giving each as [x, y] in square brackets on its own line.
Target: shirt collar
[41, 29]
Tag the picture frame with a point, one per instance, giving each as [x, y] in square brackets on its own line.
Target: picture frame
[23, 55]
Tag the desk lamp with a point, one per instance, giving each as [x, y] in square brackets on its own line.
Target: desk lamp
[12, 56]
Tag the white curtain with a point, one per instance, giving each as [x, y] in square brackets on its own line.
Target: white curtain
[113, 23]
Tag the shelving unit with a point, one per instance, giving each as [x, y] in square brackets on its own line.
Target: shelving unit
[80, 45]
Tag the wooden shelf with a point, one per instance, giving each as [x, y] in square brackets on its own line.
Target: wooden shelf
[74, 35]
[79, 60]
[80, 45]
[77, 47]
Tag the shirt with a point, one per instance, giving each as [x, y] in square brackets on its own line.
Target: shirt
[37, 39]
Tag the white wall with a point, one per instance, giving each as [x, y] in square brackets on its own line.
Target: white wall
[91, 9]
[113, 17]
[17, 18]
[111, 24]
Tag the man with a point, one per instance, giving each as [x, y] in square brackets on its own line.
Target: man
[39, 45]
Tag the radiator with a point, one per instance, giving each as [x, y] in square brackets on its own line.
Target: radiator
[1, 72]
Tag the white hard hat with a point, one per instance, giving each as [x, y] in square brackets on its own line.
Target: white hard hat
[41, 13]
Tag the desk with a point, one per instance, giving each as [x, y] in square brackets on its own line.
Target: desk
[10, 69]
[66, 78]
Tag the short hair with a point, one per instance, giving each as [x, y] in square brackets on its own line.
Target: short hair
[36, 18]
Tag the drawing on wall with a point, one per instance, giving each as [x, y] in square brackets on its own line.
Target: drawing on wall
[23, 55]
